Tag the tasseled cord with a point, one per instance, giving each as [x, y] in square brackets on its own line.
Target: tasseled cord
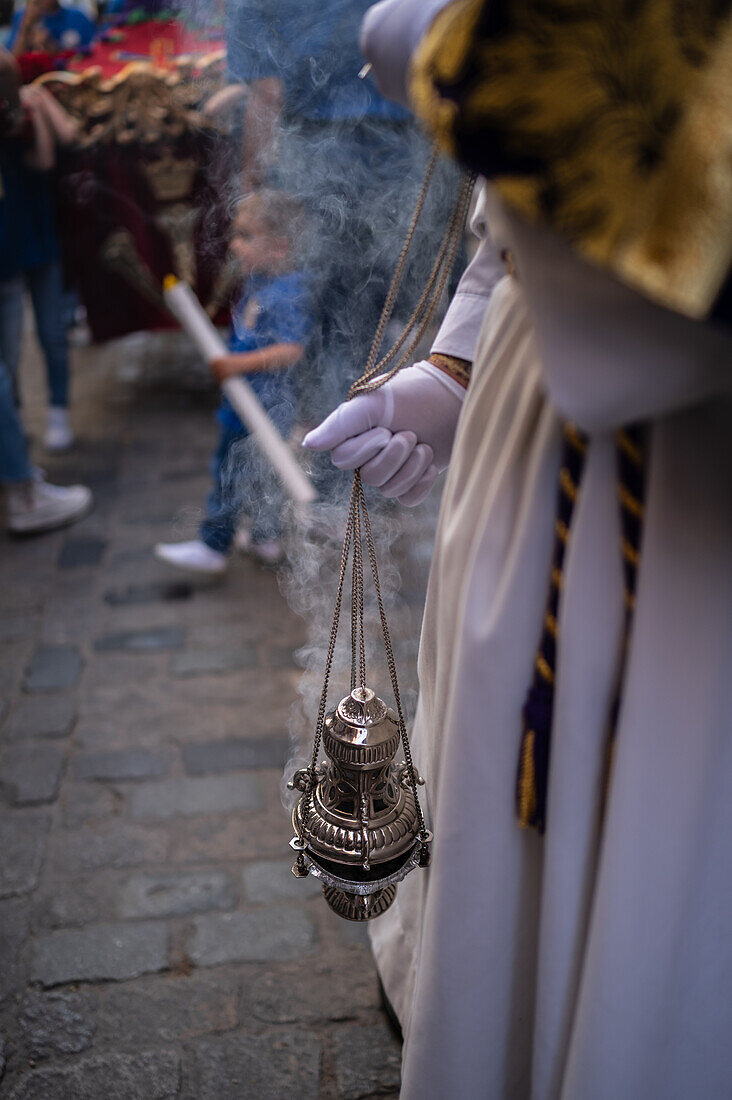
[533, 765]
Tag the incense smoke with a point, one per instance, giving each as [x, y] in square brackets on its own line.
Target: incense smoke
[357, 181]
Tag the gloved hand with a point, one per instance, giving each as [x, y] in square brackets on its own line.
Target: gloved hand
[400, 435]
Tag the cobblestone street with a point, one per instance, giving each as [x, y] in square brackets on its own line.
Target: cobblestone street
[153, 942]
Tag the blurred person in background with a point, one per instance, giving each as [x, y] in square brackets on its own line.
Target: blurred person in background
[32, 505]
[31, 248]
[48, 26]
[271, 326]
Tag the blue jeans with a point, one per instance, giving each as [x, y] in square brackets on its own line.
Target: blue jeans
[243, 481]
[14, 464]
[49, 306]
[11, 328]
[45, 285]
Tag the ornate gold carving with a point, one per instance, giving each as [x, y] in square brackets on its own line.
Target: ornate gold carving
[141, 103]
[119, 253]
[178, 222]
[170, 178]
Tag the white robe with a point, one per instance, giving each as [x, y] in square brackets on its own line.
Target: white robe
[594, 963]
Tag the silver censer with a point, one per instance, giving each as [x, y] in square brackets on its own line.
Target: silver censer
[359, 826]
[358, 830]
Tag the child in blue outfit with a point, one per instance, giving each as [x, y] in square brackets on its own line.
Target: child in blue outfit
[270, 328]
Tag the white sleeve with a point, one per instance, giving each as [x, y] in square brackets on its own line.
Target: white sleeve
[390, 33]
[458, 333]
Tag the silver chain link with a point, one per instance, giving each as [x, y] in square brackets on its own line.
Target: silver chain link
[358, 522]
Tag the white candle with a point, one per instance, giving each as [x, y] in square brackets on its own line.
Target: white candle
[185, 306]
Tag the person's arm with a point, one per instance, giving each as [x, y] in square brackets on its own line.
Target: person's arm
[390, 33]
[19, 39]
[42, 154]
[453, 348]
[274, 357]
[64, 128]
[401, 435]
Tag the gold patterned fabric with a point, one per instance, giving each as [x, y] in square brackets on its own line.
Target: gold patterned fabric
[459, 369]
[609, 120]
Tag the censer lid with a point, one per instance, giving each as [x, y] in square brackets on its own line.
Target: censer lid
[361, 732]
[362, 708]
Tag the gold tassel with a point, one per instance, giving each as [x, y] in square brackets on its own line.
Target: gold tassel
[527, 782]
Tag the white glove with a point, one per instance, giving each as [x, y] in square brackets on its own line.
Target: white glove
[400, 435]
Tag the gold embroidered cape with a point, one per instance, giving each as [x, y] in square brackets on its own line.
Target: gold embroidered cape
[610, 121]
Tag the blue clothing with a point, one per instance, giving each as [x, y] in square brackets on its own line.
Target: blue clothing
[312, 47]
[68, 27]
[14, 462]
[46, 288]
[27, 231]
[29, 247]
[243, 481]
[273, 310]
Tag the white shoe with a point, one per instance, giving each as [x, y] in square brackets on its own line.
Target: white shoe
[59, 436]
[35, 506]
[269, 552]
[194, 556]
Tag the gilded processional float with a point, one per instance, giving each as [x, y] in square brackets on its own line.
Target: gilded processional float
[143, 192]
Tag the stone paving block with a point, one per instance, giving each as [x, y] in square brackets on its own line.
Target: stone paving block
[55, 1023]
[53, 668]
[121, 672]
[207, 662]
[272, 880]
[82, 551]
[208, 795]
[138, 763]
[272, 1066]
[205, 757]
[74, 902]
[112, 844]
[290, 993]
[88, 803]
[30, 774]
[367, 1060]
[142, 641]
[165, 1008]
[281, 933]
[263, 698]
[235, 837]
[23, 597]
[13, 659]
[280, 656]
[166, 895]
[3, 710]
[136, 594]
[22, 840]
[100, 952]
[18, 627]
[346, 931]
[43, 716]
[151, 1075]
[14, 927]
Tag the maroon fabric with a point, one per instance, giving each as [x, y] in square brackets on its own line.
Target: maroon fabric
[105, 188]
[37, 62]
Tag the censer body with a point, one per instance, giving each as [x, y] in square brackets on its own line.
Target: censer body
[358, 829]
